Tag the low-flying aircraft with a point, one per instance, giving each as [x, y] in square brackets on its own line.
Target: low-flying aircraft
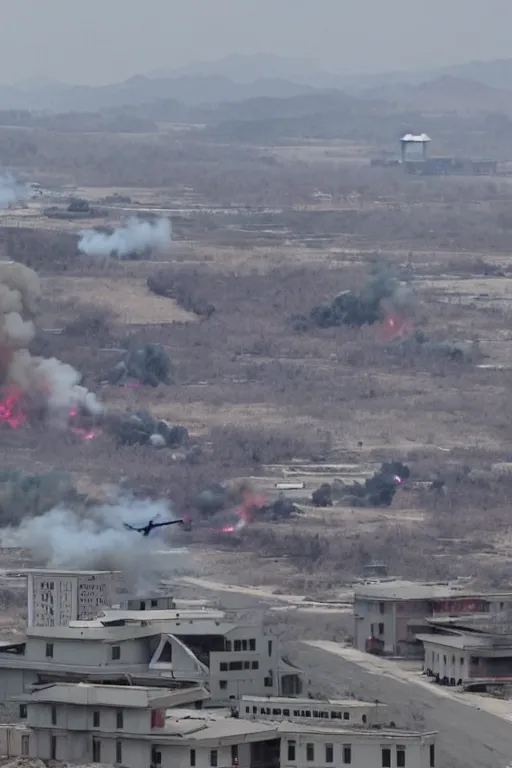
[145, 530]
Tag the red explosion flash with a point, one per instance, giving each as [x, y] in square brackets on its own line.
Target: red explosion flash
[394, 326]
[11, 410]
[85, 434]
[244, 512]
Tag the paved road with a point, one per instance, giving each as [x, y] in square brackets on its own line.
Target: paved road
[468, 737]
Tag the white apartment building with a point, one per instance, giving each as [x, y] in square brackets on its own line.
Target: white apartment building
[54, 598]
[139, 726]
[151, 647]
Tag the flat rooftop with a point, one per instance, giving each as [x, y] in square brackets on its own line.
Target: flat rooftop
[131, 696]
[398, 589]
[59, 572]
[468, 642]
[305, 702]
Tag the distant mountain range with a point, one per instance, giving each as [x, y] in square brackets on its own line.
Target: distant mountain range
[466, 87]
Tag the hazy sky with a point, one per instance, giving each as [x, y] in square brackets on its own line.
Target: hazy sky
[99, 41]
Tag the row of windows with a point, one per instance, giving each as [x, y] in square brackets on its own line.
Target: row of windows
[96, 716]
[236, 666]
[346, 754]
[214, 757]
[301, 713]
[241, 645]
[436, 657]
[115, 652]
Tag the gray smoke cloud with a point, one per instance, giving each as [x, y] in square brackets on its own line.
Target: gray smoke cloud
[96, 538]
[57, 382]
[11, 190]
[134, 237]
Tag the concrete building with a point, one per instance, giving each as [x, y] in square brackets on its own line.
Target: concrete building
[54, 598]
[463, 659]
[152, 647]
[347, 712]
[389, 615]
[138, 726]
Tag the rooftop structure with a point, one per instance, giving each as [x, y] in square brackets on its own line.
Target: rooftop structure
[414, 140]
[461, 659]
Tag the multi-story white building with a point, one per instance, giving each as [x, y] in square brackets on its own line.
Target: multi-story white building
[55, 598]
[138, 726]
[347, 712]
[152, 647]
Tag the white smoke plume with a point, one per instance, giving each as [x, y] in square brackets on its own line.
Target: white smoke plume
[11, 191]
[56, 382]
[134, 237]
[97, 538]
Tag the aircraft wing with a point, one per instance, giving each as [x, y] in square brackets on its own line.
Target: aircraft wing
[168, 522]
[131, 528]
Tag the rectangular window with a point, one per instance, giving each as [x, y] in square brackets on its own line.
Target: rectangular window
[329, 753]
[286, 712]
[156, 756]
[235, 666]
[214, 758]
[400, 757]
[237, 645]
[53, 748]
[96, 719]
[96, 751]
[244, 645]
[347, 754]
[255, 664]
[381, 628]
[192, 758]
[223, 666]
[119, 752]
[252, 644]
[154, 603]
[382, 607]
[25, 746]
[247, 664]
[119, 719]
[234, 754]
[432, 756]
[291, 751]
[228, 645]
[116, 652]
[54, 714]
[270, 647]
[223, 684]
[346, 715]
[267, 682]
[310, 752]
[23, 711]
[386, 757]
[49, 650]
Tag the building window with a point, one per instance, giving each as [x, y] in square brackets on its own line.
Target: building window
[237, 645]
[453, 659]
[382, 607]
[116, 652]
[49, 650]
[255, 664]
[96, 719]
[347, 754]
[432, 755]
[223, 666]
[234, 754]
[53, 748]
[54, 714]
[364, 718]
[119, 719]
[286, 713]
[346, 715]
[291, 751]
[156, 756]
[228, 645]
[154, 603]
[244, 645]
[119, 752]
[444, 659]
[23, 711]
[214, 758]
[252, 644]
[270, 647]
[381, 628]
[462, 661]
[193, 758]
[247, 664]
[235, 666]
[329, 753]
[400, 757]
[310, 752]
[96, 751]
[386, 757]
[223, 684]
[25, 746]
